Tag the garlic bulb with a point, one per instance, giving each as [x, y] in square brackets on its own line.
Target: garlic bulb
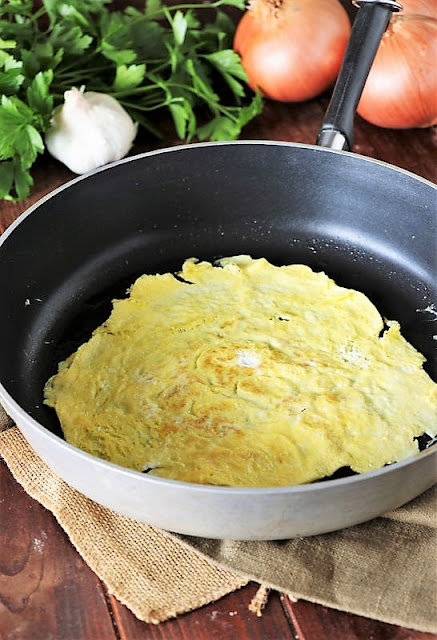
[89, 130]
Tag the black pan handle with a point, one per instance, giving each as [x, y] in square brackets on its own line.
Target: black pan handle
[337, 130]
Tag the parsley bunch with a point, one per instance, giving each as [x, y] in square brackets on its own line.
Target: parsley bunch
[159, 60]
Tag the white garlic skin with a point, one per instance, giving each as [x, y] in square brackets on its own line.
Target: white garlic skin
[89, 130]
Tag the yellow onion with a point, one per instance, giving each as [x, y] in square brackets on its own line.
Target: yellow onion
[292, 50]
[401, 89]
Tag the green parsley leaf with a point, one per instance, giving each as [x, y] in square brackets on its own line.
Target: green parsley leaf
[153, 8]
[79, 13]
[6, 177]
[250, 111]
[179, 26]
[7, 44]
[183, 117]
[116, 40]
[70, 39]
[227, 61]
[148, 40]
[219, 128]
[39, 98]
[229, 126]
[40, 57]
[22, 181]
[201, 83]
[128, 77]
[228, 64]
[11, 77]
[18, 136]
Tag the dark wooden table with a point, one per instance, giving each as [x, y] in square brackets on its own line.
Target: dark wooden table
[54, 595]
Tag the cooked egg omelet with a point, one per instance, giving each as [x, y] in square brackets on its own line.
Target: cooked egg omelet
[245, 374]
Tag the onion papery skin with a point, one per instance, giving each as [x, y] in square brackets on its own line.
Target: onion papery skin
[401, 89]
[292, 50]
[424, 8]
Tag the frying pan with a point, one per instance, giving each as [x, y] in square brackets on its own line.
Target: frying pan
[367, 224]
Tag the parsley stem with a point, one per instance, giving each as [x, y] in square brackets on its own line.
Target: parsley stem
[215, 106]
[186, 6]
[38, 14]
[82, 61]
[140, 107]
[135, 91]
[84, 72]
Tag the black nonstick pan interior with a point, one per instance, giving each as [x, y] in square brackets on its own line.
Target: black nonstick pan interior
[367, 225]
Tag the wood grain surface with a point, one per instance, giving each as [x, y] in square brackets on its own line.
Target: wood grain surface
[47, 592]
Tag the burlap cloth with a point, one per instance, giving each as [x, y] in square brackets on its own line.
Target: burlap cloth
[385, 569]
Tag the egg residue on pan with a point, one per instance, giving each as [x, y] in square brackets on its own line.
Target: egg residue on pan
[245, 374]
